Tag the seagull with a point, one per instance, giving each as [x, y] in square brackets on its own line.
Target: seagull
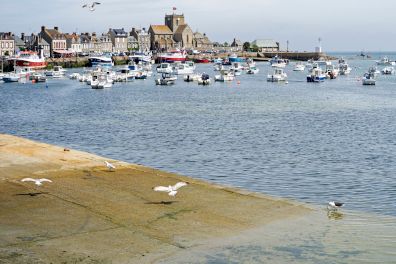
[110, 166]
[333, 206]
[171, 190]
[38, 182]
[92, 6]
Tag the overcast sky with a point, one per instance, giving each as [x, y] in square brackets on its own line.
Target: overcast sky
[344, 25]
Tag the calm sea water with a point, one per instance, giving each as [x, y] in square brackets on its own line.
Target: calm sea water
[310, 142]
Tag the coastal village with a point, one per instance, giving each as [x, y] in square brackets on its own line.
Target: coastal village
[175, 33]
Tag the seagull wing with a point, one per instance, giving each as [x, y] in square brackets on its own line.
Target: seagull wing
[96, 3]
[161, 189]
[108, 164]
[338, 204]
[179, 185]
[45, 180]
[28, 179]
[84, 5]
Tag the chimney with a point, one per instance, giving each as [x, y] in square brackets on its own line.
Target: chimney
[42, 28]
[23, 36]
[56, 28]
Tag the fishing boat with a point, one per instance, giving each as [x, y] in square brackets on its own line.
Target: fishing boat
[104, 81]
[202, 60]
[166, 79]
[101, 61]
[234, 58]
[56, 72]
[172, 56]
[278, 75]
[368, 79]
[331, 72]
[386, 62]
[277, 62]
[343, 67]
[388, 70]
[11, 77]
[164, 67]
[316, 75]
[218, 67]
[183, 68]
[204, 79]
[30, 59]
[225, 76]
[37, 78]
[299, 67]
[374, 71]
[191, 77]
[252, 70]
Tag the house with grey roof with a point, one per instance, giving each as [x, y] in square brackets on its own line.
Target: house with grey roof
[266, 45]
[7, 44]
[55, 38]
[143, 38]
[119, 38]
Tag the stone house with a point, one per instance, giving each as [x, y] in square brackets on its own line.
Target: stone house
[55, 38]
[237, 45]
[143, 39]
[161, 37]
[119, 38]
[266, 45]
[73, 43]
[7, 44]
[201, 42]
[106, 43]
[36, 43]
[86, 45]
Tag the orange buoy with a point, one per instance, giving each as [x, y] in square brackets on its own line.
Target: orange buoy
[33, 81]
[238, 82]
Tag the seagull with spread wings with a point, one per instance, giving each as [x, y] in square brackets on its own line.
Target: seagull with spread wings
[171, 190]
[38, 182]
[92, 6]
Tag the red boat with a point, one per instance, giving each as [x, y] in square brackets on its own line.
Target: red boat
[202, 61]
[29, 59]
[172, 56]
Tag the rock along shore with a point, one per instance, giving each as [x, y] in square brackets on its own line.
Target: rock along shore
[91, 215]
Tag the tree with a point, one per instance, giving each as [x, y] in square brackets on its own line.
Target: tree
[246, 46]
[226, 44]
[254, 48]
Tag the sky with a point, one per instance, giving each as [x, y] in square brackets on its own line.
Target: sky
[343, 25]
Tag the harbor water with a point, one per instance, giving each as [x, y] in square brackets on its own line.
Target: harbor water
[305, 141]
[311, 142]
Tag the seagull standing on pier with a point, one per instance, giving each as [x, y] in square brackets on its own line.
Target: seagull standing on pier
[171, 190]
[333, 206]
[38, 182]
[92, 6]
[110, 166]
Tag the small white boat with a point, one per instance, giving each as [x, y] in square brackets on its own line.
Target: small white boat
[316, 75]
[277, 62]
[218, 67]
[368, 79]
[11, 77]
[374, 71]
[386, 62]
[204, 79]
[164, 68]
[237, 68]
[74, 76]
[331, 72]
[252, 70]
[166, 79]
[388, 70]
[299, 67]
[344, 68]
[278, 75]
[56, 72]
[225, 76]
[183, 68]
[192, 77]
[103, 81]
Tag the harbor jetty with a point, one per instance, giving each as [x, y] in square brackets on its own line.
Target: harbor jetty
[89, 214]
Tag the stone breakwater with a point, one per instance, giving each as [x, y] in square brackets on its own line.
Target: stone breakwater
[89, 214]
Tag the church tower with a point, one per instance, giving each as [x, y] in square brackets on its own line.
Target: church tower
[174, 21]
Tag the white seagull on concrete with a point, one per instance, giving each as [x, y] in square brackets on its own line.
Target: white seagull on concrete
[171, 190]
[333, 206]
[110, 166]
[92, 6]
[38, 182]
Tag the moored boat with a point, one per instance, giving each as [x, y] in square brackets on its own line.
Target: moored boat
[100, 61]
[316, 75]
[172, 56]
[368, 79]
[278, 75]
[388, 70]
[299, 67]
[225, 76]
[166, 79]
